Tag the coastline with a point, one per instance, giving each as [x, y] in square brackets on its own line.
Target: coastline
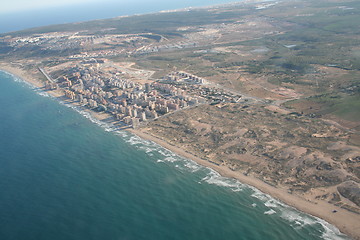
[347, 222]
[59, 94]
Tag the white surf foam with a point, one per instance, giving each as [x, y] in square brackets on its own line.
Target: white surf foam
[215, 178]
[299, 220]
[293, 216]
[151, 147]
[290, 214]
[28, 84]
[42, 93]
[270, 212]
[166, 156]
[170, 159]
[259, 195]
[193, 166]
[134, 140]
[273, 203]
[17, 79]
[331, 232]
[106, 126]
[296, 218]
[276, 207]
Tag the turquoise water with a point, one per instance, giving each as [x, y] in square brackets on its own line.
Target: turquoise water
[64, 177]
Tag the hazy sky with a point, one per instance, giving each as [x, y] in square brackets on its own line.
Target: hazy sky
[11, 6]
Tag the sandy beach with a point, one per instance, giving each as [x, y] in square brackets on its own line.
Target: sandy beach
[346, 221]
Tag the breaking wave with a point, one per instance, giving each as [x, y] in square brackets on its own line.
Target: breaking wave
[270, 212]
[166, 156]
[294, 217]
[215, 178]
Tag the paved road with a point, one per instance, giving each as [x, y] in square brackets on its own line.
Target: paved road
[46, 75]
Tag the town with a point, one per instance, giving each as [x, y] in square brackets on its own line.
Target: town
[133, 101]
[266, 92]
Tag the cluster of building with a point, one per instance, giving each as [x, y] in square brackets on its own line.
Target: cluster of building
[128, 101]
[99, 53]
[164, 47]
[59, 41]
[132, 102]
[197, 86]
[55, 41]
[185, 77]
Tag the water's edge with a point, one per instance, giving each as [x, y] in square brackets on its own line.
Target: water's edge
[292, 215]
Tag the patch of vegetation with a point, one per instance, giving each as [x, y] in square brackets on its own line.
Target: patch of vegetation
[160, 58]
[341, 105]
[347, 108]
[4, 48]
[218, 57]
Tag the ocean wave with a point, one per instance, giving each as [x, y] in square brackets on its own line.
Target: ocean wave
[122, 134]
[135, 140]
[215, 178]
[170, 159]
[166, 152]
[108, 127]
[270, 212]
[43, 94]
[193, 166]
[148, 149]
[259, 195]
[166, 156]
[331, 232]
[22, 81]
[27, 84]
[299, 220]
[273, 203]
[294, 217]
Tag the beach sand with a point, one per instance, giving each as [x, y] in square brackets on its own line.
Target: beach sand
[347, 222]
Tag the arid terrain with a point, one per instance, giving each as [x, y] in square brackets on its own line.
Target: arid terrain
[269, 90]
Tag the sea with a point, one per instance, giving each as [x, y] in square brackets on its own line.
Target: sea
[64, 176]
[94, 10]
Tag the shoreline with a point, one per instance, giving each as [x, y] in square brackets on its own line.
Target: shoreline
[59, 94]
[346, 221]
